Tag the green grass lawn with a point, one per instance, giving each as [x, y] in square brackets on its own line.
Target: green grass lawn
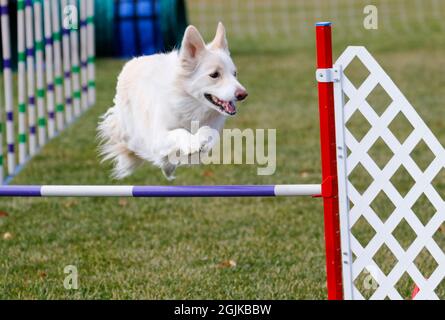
[181, 248]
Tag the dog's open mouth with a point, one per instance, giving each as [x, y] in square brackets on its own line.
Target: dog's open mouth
[224, 106]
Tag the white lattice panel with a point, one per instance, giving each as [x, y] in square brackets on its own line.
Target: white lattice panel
[363, 274]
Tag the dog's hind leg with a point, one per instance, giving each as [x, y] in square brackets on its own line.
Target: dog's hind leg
[125, 163]
[114, 147]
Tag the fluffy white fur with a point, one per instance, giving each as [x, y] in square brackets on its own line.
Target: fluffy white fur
[157, 98]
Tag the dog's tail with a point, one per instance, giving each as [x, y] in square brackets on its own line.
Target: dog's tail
[112, 146]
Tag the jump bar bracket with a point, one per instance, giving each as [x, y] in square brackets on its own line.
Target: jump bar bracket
[327, 75]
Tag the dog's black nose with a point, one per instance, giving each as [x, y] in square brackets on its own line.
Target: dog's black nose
[241, 94]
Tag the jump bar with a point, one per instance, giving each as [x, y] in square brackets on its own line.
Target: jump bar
[161, 191]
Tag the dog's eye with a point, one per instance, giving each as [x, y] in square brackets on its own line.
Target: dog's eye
[235, 74]
[214, 75]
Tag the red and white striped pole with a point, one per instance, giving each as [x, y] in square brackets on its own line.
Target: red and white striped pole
[328, 161]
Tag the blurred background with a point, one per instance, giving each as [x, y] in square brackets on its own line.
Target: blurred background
[131, 27]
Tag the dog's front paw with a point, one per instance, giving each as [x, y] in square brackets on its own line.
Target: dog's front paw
[182, 142]
[168, 169]
[207, 138]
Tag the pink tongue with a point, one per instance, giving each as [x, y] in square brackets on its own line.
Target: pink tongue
[230, 108]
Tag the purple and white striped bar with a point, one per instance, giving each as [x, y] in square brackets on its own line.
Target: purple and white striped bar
[161, 191]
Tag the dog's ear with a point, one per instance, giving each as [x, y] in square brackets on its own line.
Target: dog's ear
[220, 40]
[192, 44]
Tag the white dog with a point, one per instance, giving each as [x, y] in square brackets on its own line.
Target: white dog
[158, 97]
